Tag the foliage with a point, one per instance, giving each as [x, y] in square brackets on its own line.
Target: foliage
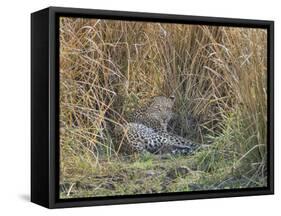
[218, 75]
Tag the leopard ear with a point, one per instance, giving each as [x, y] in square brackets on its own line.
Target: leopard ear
[172, 97]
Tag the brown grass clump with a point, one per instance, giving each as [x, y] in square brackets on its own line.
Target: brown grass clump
[218, 75]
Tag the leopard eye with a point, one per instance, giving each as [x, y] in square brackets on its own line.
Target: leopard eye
[158, 107]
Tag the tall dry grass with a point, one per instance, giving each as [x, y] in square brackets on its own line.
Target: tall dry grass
[218, 75]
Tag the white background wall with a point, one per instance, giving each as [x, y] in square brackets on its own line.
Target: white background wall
[15, 106]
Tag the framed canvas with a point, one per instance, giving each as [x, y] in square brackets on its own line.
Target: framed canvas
[139, 107]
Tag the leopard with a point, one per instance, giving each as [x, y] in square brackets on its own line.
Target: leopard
[146, 130]
[155, 114]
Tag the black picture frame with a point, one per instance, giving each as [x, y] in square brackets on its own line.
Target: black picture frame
[45, 106]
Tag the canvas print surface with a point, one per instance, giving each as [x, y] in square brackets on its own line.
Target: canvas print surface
[149, 107]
